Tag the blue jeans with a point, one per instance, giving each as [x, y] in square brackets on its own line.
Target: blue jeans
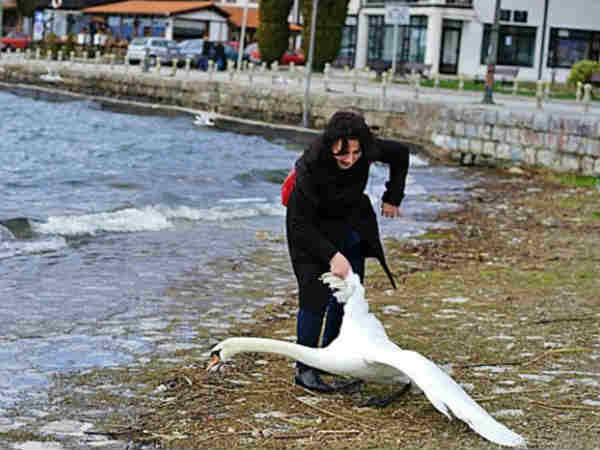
[309, 323]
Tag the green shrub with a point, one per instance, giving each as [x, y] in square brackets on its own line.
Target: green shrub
[331, 16]
[273, 31]
[582, 71]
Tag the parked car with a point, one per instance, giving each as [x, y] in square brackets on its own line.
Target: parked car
[295, 56]
[162, 48]
[14, 39]
[194, 49]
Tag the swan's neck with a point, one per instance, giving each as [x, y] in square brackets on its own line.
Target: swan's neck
[309, 356]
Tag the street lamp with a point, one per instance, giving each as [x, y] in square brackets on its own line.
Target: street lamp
[492, 57]
[311, 50]
[242, 37]
[1, 15]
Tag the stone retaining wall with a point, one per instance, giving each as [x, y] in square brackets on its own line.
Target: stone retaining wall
[470, 133]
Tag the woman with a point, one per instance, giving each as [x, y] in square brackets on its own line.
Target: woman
[331, 225]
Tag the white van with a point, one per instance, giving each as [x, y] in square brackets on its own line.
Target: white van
[162, 48]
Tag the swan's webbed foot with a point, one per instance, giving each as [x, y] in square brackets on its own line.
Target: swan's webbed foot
[387, 400]
[348, 387]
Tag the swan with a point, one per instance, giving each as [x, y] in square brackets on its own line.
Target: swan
[363, 350]
[205, 119]
[52, 76]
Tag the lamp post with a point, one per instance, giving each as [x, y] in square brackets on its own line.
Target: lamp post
[311, 51]
[1, 16]
[492, 57]
[242, 37]
[543, 46]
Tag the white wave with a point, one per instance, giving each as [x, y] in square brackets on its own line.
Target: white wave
[15, 248]
[418, 161]
[125, 220]
[151, 218]
[243, 200]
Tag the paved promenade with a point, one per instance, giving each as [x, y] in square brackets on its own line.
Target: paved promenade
[339, 82]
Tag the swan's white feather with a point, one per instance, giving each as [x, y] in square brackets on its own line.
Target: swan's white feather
[363, 329]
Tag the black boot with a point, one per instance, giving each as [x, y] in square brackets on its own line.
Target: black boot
[310, 379]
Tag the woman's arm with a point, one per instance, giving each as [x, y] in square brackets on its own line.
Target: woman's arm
[396, 155]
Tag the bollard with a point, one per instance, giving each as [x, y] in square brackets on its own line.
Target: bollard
[231, 69]
[354, 80]
[302, 74]
[436, 80]
[417, 85]
[72, 55]
[587, 97]
[326, 76]
[515, 88]
[37, 53]
[263, 67]
[579, 92]
[188, 65]
[539, 95]
[250, 72]
[384, 80]
[547, 92]
[461, 82]
[146, 62]
[174, 64]
[211, 69]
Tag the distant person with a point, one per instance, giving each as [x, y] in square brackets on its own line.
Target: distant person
[220, 58]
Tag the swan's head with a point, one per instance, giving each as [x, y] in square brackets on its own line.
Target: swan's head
[344, 288]
[221, 353]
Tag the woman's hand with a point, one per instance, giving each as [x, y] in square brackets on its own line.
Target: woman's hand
[340, 266]
[388, 210]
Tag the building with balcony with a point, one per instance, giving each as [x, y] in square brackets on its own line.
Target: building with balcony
[543, 38]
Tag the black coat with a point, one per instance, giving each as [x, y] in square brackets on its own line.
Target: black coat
[327, 202]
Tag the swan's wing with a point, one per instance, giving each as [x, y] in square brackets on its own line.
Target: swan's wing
[446, 395]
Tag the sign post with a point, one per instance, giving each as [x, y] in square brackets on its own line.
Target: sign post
[396, 15]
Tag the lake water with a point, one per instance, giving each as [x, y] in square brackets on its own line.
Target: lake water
[118, 226]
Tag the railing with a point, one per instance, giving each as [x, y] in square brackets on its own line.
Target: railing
[449, 3]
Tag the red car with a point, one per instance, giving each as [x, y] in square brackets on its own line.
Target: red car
[296, 56]
[15, 39]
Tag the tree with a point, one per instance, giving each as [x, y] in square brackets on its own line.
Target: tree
[273, 30]
[331, 16]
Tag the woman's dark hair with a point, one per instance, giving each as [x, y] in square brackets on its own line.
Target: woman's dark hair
[346, 125]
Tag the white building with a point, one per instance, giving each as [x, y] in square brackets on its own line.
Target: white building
[543, 38]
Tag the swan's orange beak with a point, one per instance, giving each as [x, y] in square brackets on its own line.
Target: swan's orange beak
[214, 362]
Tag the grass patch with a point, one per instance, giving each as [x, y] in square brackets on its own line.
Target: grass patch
[578, 180]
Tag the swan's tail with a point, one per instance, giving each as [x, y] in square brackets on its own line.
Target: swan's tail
[448, 397]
